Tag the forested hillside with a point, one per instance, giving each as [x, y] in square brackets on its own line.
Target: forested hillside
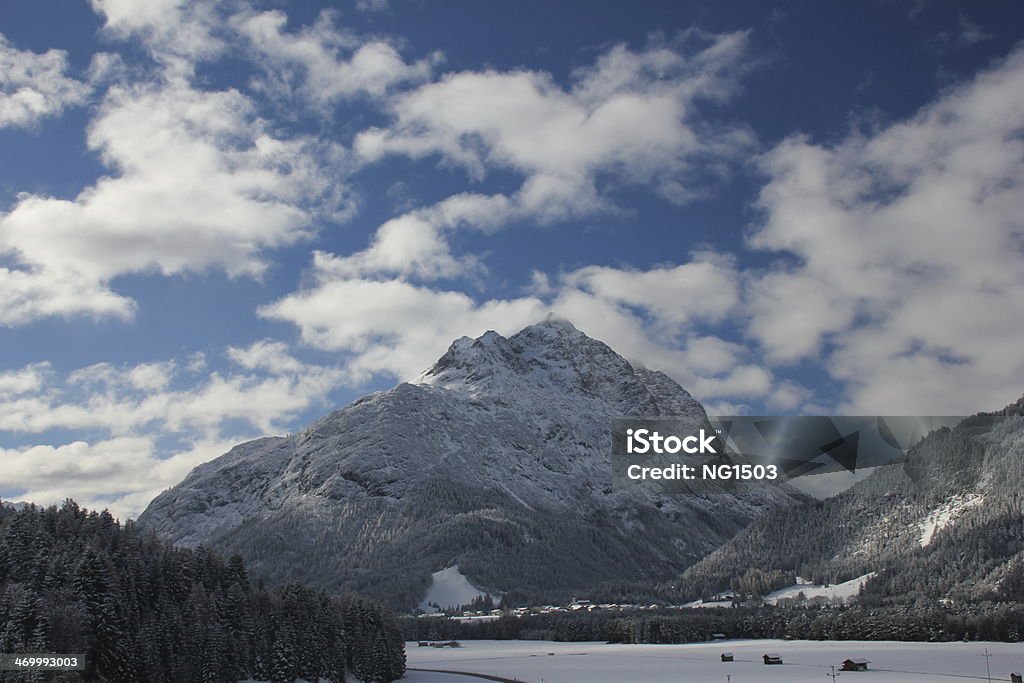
[947, 525]
[142, 611]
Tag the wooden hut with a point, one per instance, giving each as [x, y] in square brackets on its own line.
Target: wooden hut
[855, 665]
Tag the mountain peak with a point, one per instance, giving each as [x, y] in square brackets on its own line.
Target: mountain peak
[550, 352]
[553, 330]
[555, 322]
[552, 358]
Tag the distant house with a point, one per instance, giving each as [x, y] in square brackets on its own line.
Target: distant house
[773, 659]
[717, 636]
[727, 657]
[1016, 678]
[855, 665]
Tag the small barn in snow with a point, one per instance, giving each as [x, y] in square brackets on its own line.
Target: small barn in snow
[855, 665]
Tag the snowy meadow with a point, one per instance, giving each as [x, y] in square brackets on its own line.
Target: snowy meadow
[803, 661]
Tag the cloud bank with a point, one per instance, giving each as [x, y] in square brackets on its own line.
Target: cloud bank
[909, 249]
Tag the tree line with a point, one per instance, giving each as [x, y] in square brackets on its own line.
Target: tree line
[920, 622]
[142, 611]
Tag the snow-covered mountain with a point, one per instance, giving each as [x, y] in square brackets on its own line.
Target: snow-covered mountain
[496, 459]
[947, 525]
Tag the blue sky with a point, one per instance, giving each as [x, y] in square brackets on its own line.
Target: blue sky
[221, 219]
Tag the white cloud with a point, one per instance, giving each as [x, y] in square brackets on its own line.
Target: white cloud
[200, 182]
[632, 117]
[910, 254]
[271, 356]
[25, 380]
[27, 295]
[154, 421]
[151, 376]
[970, 32]
[34, 86]
[197, 179]
[372, 5]
[706, 288]
[397, 328]
[106, 68]
[393, 326]
[323, 63]
[177, 33]
[143, 377]
[967, 34]
[709, 367]
[789, 396]
[415, 244]
[746, 381]
[122, 474]
[712, 355]
[271, 387]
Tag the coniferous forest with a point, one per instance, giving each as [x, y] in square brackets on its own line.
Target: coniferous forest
[142, 611]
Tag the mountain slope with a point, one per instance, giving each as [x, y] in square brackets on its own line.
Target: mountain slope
[946, 525]
[496, 459]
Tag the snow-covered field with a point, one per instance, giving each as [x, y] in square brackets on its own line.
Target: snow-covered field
[805, 661]
[839, 591]
[450, 588]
